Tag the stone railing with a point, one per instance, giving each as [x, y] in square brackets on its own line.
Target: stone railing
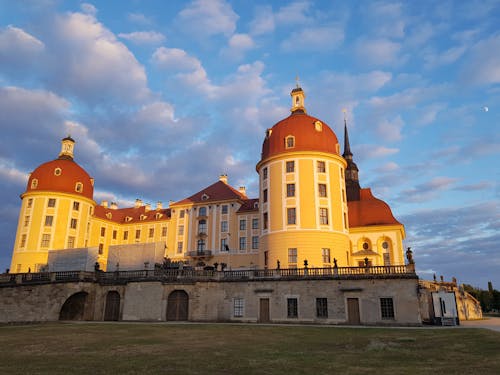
[193, 275]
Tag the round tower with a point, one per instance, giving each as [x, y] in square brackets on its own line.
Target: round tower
[55, 211]
[303, 205]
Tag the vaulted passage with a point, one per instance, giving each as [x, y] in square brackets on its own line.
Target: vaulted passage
[112, 311]
[74, 307]
[177, 305]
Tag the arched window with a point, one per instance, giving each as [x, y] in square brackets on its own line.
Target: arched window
[290, 141]
[79, 187]
[364, 244]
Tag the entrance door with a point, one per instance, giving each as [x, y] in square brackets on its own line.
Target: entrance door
[353, 311]
[112, 311]
[264, 310]
[177, 305]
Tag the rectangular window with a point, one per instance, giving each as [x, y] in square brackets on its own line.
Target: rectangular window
[320, 167]
[151, 232]
[255, 242]
[137, 234]
[115, 233]
[101, 248]
[292, 308]
[179, 247]
[30, 202]
[52, 202]
[223, 245]
[73, 223]
[164, 231]
[264, 195]
[264, 174]
[325, 253]
[45, 240]
[238, 307]
[23, 241]
[243, 243]
[322, 190]
[26, 220]
[266, 258]
[125, 235]
[387, 308]
[321, 308]
[292, 257]
[290, 166]
[265, 220]
[223, 226]
[291, 215]
[243, 224]
[103, 231]
[48, 221]
[323, 216]
[182, 213]
[71, 242]
[290, 190]
[76, 206]
[255, 223]
[224, 209]
[181, 230]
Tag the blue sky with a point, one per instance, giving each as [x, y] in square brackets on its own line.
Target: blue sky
[163, 96]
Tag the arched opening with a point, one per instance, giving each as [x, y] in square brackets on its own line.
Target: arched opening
[74, 307]
[385, 244]
[112, 310]
[177, 305]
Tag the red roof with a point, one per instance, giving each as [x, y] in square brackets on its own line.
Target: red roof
[249, 205]
[370, 211]
[307, 138]
[219, 191]
[63, 180]
[134, 214]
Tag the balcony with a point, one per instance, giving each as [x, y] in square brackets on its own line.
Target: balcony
[202, 234]
[199, 254]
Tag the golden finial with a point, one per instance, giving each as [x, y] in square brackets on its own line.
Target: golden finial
[297, 81]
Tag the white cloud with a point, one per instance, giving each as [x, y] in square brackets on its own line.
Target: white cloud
[208, 17]
[88, 8]
[433, 59]
[139, 18]
[366, 151]
[238, 45]
[390, 130]
[483, 62]
[378, 51]
[176, 59]
[320, 38]
[143, 37]
[294, 13]
[263, 22]
[9, 173]
[156, 113]
[388, 19]
[18, 48]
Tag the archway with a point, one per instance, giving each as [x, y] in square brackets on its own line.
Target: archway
[74, 307]
[177, 305]
[112, 310]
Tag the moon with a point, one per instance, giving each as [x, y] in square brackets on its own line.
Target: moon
[486, 109]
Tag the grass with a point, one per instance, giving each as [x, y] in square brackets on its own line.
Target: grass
[127, 348]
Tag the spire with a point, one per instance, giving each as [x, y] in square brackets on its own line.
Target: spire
[67, 146]
[298, 97]
[351, 172]
[347, 147]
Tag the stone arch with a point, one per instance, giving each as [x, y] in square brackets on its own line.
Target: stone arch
[74, 307]
[112, 308]
[178, 305]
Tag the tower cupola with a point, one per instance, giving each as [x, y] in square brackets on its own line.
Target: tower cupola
[298, 97]
[67, 147]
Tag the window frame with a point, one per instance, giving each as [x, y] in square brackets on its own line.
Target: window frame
[322, 308]
[291, 215]
[322, 191]
[323, 216]
[320, 166]
[292, 307]
[290, 166]
[290, 190]
[387, 308]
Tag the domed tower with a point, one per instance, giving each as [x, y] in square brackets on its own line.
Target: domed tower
[303, 203]
[55, 210]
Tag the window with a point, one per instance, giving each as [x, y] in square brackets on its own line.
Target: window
[387, 308]
[79, 187]
[51, 202]
[151, 232]
[243, 224]
[320, 167]
[223, 226]
[202, 211]
[290, 166]
[255, 223]
[264, 195]
[115, 233]
[204, 197]
[243, 243]
[57, 171]
[164, 231]
[255, 242]
[362, 263]
[182, 213]
[290, 190]
[264, 174]
[366, 246]
[323, 216]
[180, 230]
[179, 247]
[101, 248]
[103, 231]
[290, 141]
[23, 241]
[224, 245]
[76, 206]
[266, 258]
[292, 257]
[292, 308]
[318, 126]
[137, 234]
[321, 308]
[291, 215]
[202, 226]
[385, 245]
[125, 235]
[73, 223]
[26, 220]
[200, 246]
[325, 254]
[265, 220]
[30, 202]
[34, 183]
[71, 242]
[45, 240]
[48, 221]
[322, 190]
[238, 307]
[224, 209]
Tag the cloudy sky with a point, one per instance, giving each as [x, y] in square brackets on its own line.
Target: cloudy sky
[163, 96]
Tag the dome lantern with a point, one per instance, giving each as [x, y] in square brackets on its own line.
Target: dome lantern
[298, 97]
[67, 147]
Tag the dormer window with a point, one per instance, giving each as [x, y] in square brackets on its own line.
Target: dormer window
[57, 171]
[143, 217]
[128, 218]
[34, 183]
[158, 215]
[79, 187]
[256, 205]
[109, 215]
[204, 197]
[318, 126]
[269, 132]
[290, 141]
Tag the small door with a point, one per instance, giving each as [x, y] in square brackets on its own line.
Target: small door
[177, 305]
[387, 259]
[353, 311]
[112, 311]
[264, 310]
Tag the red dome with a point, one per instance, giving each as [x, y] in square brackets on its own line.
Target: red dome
[370, 211]
[310, 134]
[62, 176]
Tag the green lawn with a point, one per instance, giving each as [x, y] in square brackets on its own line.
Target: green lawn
[127, 348]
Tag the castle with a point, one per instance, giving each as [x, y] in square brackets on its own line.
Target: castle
[311, 211]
